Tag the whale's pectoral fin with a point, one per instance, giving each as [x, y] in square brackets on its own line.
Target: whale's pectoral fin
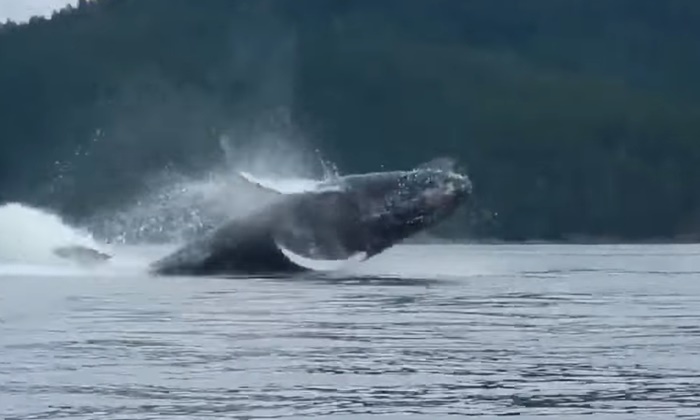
[250, 180]
[81, 254]
[440, 164]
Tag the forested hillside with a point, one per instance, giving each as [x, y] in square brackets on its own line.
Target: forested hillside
[576, 118]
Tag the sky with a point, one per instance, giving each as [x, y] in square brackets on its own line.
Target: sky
[21, 10]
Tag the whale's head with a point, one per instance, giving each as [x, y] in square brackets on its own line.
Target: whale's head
[397, 205]
[423, 198]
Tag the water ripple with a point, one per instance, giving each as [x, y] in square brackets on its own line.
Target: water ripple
[586, 340]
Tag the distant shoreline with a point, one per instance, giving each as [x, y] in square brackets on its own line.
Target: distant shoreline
[434, 240]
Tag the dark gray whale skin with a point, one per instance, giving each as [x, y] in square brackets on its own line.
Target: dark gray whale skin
[365, 213]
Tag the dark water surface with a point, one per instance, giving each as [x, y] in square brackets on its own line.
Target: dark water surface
[429, 331]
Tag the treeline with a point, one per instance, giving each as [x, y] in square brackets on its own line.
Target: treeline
[574, 119]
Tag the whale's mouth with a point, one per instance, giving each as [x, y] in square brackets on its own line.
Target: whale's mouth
[320, 264]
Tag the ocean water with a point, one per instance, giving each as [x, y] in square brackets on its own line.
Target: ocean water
[427, 332]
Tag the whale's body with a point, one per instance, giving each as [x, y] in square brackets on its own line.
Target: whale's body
[320, 224]
[345, 217]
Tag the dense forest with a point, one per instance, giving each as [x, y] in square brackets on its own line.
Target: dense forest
[576, 119]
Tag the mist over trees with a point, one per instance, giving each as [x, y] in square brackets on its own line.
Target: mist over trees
[574, 119]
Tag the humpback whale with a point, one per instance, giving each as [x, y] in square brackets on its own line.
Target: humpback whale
[341, 218]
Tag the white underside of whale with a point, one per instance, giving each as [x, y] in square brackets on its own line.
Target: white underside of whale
[320, 265]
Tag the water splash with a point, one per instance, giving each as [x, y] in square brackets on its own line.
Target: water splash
[179, 207]
[30, 235]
